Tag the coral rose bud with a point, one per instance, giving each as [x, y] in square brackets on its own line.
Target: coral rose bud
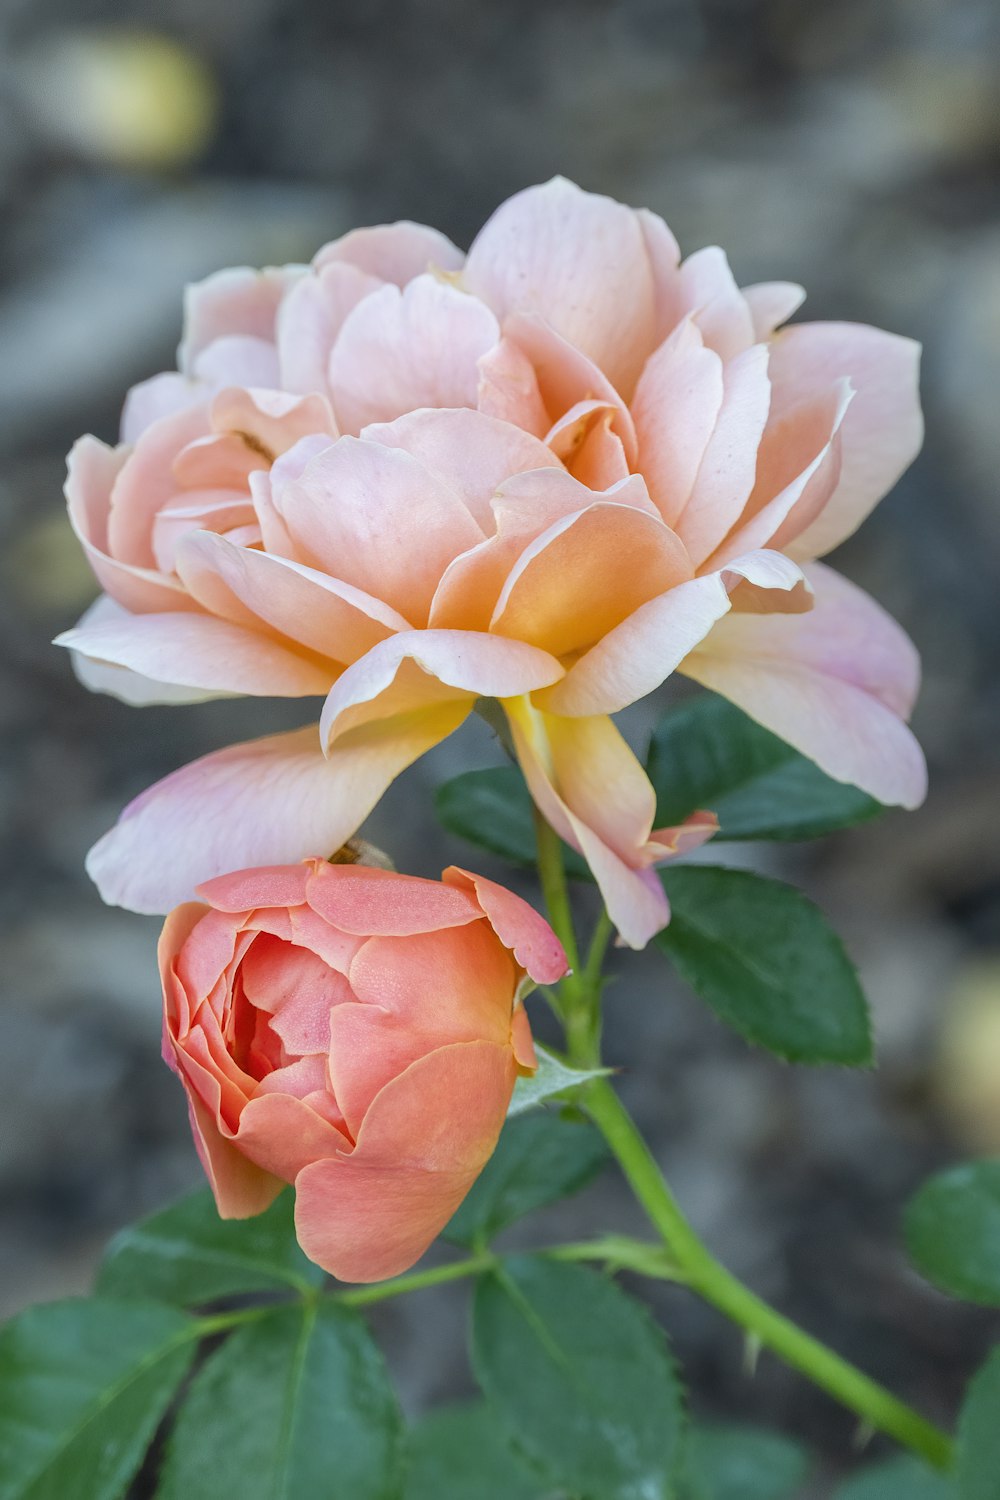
[357, 1033]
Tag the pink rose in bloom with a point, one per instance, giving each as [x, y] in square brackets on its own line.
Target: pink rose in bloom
[551, 473]
[357, 1033]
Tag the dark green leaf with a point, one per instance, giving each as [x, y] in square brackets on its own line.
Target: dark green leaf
[709, 754]
[461, 1453]
[297, 1404]
[188, 1255]
[493, 810]
[953, 1231]
[742, 1463]
[765, 959]
[977, 1474]
[83, 1387]
[902, 1478]
[550, 1080]
[538, 1159]
[581, 1376]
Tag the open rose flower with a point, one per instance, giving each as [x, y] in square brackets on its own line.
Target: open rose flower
[549, 473]
[357, 1033]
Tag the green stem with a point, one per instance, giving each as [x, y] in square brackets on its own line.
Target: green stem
[690, 1260]
[415, 1281]
[553, 878]
[704, 1274]
[595, 954]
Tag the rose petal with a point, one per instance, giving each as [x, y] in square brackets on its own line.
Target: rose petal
[579, 261]
[835, 683]
[882, 431]
[236, 301]
[585, 574]
[425, 1139]
[640, 653]
[199, 651]
[425, 669]
[401, 350]
[469, 453]
[380, 903]
[272, 801]
[590, 787]
[518, 926]
[392, 252]
[353, 505]
[255, 589]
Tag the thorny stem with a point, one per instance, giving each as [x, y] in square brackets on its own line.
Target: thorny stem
[694, 1264]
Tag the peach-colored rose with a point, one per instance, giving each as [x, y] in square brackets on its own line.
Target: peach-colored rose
[569, 464]
[357, 1033]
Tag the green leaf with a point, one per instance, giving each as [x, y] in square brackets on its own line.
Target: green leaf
[296, 1404]
[539, 1158]
[709, 754]
[581, 1376]
[977, 1475]
[902, 1478]
[461, 1453]
[952, 1231]
[83, 1387]
[188, 1255]
[742, 1463]
[493, 810]
[765, 959]
[551, 1079]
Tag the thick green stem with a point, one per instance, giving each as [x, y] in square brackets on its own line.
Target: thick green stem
[553, 877]
[703, 1273]
[690, 1260]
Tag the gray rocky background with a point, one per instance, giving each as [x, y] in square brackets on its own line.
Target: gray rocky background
[853, 146]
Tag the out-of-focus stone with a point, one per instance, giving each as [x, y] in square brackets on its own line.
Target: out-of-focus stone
[967, 1071]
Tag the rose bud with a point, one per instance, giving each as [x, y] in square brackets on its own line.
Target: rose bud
[357, 1033]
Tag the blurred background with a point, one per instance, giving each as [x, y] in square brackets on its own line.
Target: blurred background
[854, 147]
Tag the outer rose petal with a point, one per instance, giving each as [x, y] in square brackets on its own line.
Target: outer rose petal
[518, 926]
[402, 350]
[432, 667]
[130, 687]
[835, 683]
[199, 651]
[241, 1188]
[272, 801]
[265, 885]
[393, 252]
[379, 903]
[425, 1139]
[577, 260]
[882, 432]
